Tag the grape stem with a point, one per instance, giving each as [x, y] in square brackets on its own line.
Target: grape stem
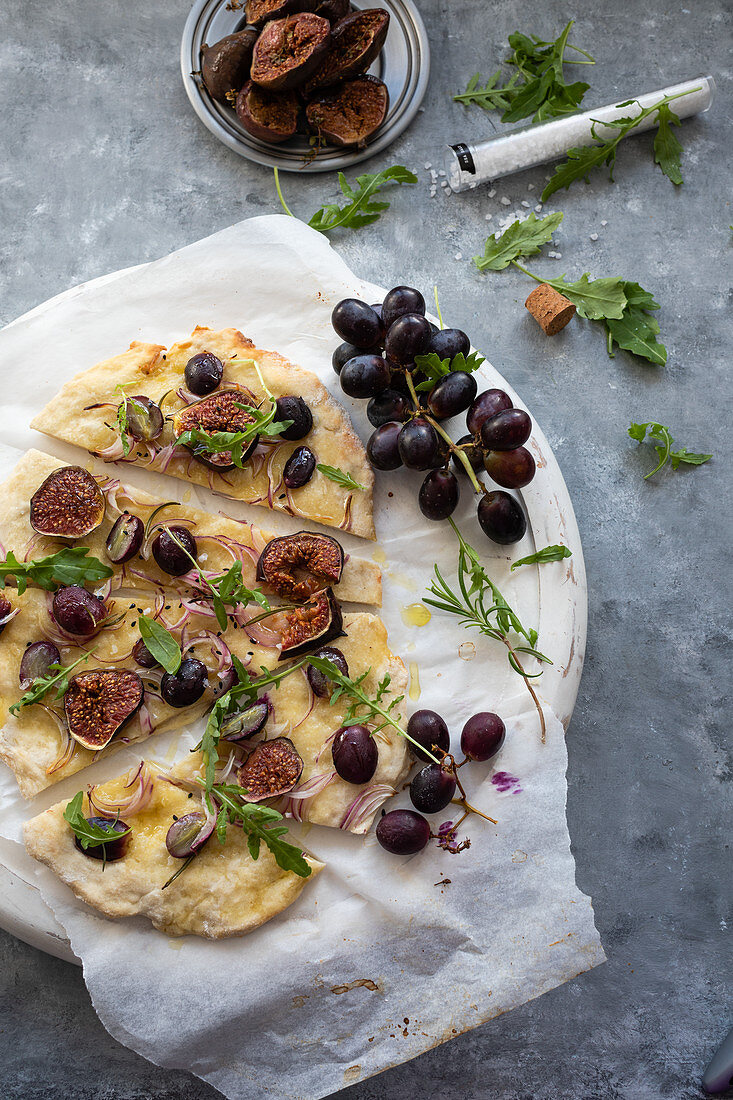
[461, 455]
[463, 801]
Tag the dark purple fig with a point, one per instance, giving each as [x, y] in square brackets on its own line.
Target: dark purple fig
[355, 43]
[225, 65]
[333, 10]
[299, 468]
[296, 566]
[430, 731]
[223, 411]
[289, 51]
[267, 116]
[246, 723]
[111, 849]
[125, 538]
[204, 372]
[98, 704]
[144, 418]
[319, 682]
[188, 834]
[351, 112]
[69, 504]
[173, 548]
[355, 754]
[311, 626]
[77, 611]
[186, 686]
[272, 769]
[36, 662]
[142, 655]
[259, 12]
[432, 789]
[294, 408]
[403, 832]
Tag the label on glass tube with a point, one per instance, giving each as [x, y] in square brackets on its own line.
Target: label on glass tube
[465, 158]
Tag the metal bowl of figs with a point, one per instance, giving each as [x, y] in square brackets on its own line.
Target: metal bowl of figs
[305, 85]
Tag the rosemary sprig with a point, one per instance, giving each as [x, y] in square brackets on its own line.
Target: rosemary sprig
[497, 620]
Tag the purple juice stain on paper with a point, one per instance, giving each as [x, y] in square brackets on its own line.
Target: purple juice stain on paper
[506, 783]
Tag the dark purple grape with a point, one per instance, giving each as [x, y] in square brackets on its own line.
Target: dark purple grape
[449, 342]
[346, 351]
[486, 405]
[319, 682]
[418, 444]
[383, 447]
[246, 723]
[188, 834]
[432, 789]
[510, 469]
[377, 307]
[171, 557]
[77, 611]
[203, 373]
[429, 729]
[357, 323]
[439, 494]
[452, 395]
[387, 405]
[355, 754]
[403, 832]
[299, 468]
[111, 849]
[501, 517]
[142, 655]
[227, 679]
[365, 376]
[144, 418]
[399, 301]
[125, 538]
[409, 336]
[36, 662]
[442, 454]
[506, 431]
[472, 451]
[482, 736]
[185, 687]
[295, 409]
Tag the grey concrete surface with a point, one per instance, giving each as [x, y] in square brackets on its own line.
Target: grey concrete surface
[104, 164]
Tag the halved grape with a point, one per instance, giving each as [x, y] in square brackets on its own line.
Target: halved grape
[403, 832]
[357, 323]
[401, 300]
[383, 446]
[142, 655]
[246, 723]
[188, 834]
[36, 662]
[501, 518]
[432, 789]
[171, 557]
[418, 444]
[125, 538]
[486, 405]
[299, 468]
[439, 494]
[185, 687]
[77, 611]
[472, 451]
[112, 849]
[355, 754]
[319, 682]
[429, 729]
[407, 337]
[452, 395]
[365, 376]
[482, 736]
[294, 408]
[387, 405]
[448, 342]
[144, 418]
[506, 431]
[203, 373]
[511, 469]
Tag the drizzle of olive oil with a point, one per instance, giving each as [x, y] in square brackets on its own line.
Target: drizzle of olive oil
[379, 555]
[415, 614]
[414, 681]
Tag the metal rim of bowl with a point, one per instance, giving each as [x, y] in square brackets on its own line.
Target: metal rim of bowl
[405, 20]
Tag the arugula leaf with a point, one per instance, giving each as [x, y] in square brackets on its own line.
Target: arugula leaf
[90, 835]
[522, 238]
[667, 149]
[635, 330]
[122, 425]
[258, 822]
[41, 687]
[437, 368]
[68, 566]
[595, 299]
[491, 97]
[546, 554]
[201, 441]
[224, 588]
[360, 208]
[160, 643]
[333, 473]
[660, 435]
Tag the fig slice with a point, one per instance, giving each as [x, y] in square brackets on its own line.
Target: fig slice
[289, 51]
[219, 412]
[69, 504]
[350, 113]
[97, 705]
[225, 65]
[332, 10]
[268, 116]
[355, 44]
[271, 769]
[259, 12]
[311, 626]
[296, 566]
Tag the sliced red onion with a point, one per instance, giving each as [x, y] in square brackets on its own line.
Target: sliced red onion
[113, 453]
[365, 805]
[345, 524]
[325, 745]
[30, 548]
[304, 791]
[140, 780]
[186, 397]
[9, 617]
[67, 741]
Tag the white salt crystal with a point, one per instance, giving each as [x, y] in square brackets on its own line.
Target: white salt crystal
[525, 204]
[594, 236]
[505, 201]
[459, 255]
[488, 217]
[530, 187]
[428, 167]
[604, 223]
[492, 192]
[538, 207]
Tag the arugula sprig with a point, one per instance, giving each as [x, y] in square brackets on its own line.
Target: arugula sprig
[340, 477]
[663, 444]
[436, 368]
[89, 835]
[57, 679]
[583, 160]
[522, 238]
[160, 643]
[259, 824]
[543, 556]
[360, 207]
[543, 92]
[72, 565]
[478, 603]
[235, 443]
[225, 588]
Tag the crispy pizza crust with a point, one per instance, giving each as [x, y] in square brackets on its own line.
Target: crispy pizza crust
[223, 892]
[155, 373]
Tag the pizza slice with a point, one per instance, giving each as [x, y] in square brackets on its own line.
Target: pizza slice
[148, 844]
[215, 410]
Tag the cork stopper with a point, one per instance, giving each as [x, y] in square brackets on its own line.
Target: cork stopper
[550, 309]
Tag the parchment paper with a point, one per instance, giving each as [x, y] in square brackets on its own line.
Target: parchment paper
[379, 960]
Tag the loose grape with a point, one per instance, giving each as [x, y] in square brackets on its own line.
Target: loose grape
[319, 683]
[501, 518]
[506, 431]
[382, 449]
[357, 323]
[401, 300]
[365, 376]
[511, 469]
[112, 849]
[36, 662]
[429, 729]
[418, 444]
[185, 687]
[172, 557]
[203, 373]
[290, 407]
[387, 405]
[403, 832]
[482, 736]
[299, 468]
[355, 754]
[439, 493]
[432, 789]
[77, 611]
[486, 405]
[407, 337]
[452, 395]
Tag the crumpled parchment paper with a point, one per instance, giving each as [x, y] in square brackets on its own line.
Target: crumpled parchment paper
[381, 958]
